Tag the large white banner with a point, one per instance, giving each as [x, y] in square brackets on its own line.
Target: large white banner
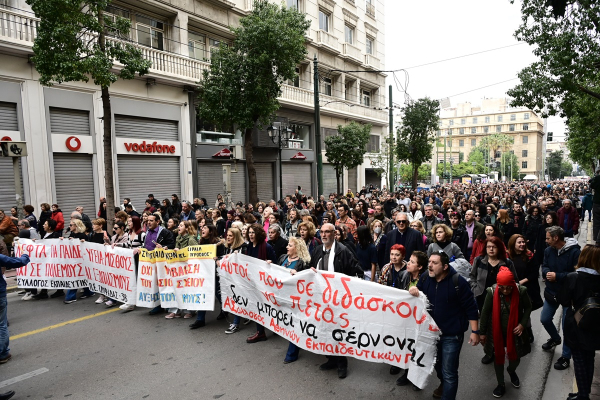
[55, 264]
[333, 314]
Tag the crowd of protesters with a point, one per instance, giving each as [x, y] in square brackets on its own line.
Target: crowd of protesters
[476, 251]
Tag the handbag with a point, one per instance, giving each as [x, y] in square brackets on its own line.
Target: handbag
[550, 298]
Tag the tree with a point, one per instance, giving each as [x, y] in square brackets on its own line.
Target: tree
[498, 142]
[479, 157]
[406, 172]
[347, 149]
[244, 80]
[381, 161]
[555, 163]
[416, 134]
[509, 166]
[72, 45]
[583, 140]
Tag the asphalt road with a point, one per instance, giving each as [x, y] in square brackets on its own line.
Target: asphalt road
[138, 356]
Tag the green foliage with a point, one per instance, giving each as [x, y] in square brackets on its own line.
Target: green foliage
[416, 135]
[583, 139]
[509, 166]
[67, 47]
[380, 161]
[558, 167]
[406, 172]
[479, 156]
[244, 80]
[347, 149]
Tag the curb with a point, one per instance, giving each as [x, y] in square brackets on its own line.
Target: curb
[10, 289]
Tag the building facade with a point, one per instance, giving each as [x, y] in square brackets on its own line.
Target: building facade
[464, 126]
[160, 146]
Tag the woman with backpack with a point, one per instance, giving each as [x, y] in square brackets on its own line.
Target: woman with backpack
[580, 295]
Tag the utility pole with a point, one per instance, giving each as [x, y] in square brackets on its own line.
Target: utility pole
[392, 141]
[445, 171]
[318, 130]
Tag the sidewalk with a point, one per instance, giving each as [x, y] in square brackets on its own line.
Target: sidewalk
[560, 383]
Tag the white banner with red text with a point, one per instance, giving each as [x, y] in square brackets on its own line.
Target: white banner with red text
[333, 314]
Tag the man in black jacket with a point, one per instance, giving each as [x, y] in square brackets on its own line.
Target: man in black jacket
[430, 220]
[409, 238]
[278, 243]
[334, 257]
[158, 236]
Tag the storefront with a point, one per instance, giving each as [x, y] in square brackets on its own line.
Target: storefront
[9, 130]
[210, 180]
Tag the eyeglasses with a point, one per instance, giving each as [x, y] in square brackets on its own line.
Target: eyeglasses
[116, 227]
[402, 221]
[71, 224]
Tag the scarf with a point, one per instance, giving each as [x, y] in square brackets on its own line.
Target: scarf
[505, 278]
[262, 251]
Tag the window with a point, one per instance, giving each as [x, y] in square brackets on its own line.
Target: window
[497, 154]
[296, 81]
[149, 32]
[370, 44]
[473, 142]
[499, 118]
[373, 145]
[327, 86]
[299, 137]
[349, 34]
[511, 127]
[451, 122]
[461, 131]
[524, 153]
[370, 8]
[525, 139]
[525, 127]
[197, 46]
[473, 130]
[513, 117]
[366, 98]
[112, 13]
[526, 116]
[524, 164]
[292, 4]
[498, 128]
[461, 143]
[450, 131]
[463, 121]
[486, 129]
[475, 120]
[213, 44]
[323, 21]
[487, 120]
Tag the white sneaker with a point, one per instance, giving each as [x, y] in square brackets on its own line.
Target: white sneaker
[28, 296]
[233, 328]
[127, 307]
[100, 300]
[110, 303]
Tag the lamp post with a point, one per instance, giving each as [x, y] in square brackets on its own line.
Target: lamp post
[280, 135]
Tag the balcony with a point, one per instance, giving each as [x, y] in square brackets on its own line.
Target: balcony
[327, 39]
[351, 51]
[370, 10]
[249, 5]
[18, 28]
[304, 99]
[372, 61]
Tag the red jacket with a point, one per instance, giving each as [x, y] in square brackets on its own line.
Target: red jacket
[8, 227]
[573, 220]
[60, 221]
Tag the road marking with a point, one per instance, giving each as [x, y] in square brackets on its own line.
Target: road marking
[23, 377]
[11, 288]
[73, 321]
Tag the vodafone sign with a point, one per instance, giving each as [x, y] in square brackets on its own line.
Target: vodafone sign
[73, 143]
[153, 147]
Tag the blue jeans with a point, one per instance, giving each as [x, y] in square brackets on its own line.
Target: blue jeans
[236, 320]
[446, 366]
[72, 293]
[3, 327]
[201, 316]
[546, 318]
[292, 353]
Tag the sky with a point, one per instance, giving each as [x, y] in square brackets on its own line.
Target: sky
[425, 31]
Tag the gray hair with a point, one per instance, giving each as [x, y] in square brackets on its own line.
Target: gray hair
[186, 202]
[303, 213]
[567, 201]
[75, 215]
[556, 231]
[25, 223]
[402, 213]
[428, 206]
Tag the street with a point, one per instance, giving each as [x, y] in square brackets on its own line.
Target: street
[138, 356]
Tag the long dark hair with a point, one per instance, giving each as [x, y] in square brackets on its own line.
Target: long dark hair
[554, 216]
[213, 235]
[364, 236]
[137, 224]
[497, 233]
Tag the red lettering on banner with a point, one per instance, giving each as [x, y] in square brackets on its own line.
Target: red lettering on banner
[399, 307]
[154, 147]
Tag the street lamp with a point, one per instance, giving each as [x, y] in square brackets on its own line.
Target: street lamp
[280, 135]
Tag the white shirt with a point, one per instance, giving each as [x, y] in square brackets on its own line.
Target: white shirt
[330, 267]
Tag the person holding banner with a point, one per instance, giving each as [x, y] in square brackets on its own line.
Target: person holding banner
[186, 236]
[453, 308]
[504, 316]
[157, 237]
[209, 235]
[7, 262]
[335, 257]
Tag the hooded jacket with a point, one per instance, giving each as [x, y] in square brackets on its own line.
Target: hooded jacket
[562, 262]
[10, 263]
[572, 217]
[588, 201]
[451, 309]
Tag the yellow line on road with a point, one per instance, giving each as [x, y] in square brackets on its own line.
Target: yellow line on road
[73, 321]
[10, 288]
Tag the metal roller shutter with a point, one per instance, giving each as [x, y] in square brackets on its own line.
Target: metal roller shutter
[69, 122]
[371, 178]
[238, 183]
[264, 177]
[8, 117]
[74, 183]
[141, 175]
[210, 181]
[329, 181]
[8, 193]
[295, 175]
[148, 128]
[352, 178]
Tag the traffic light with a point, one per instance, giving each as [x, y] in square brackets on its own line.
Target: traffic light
[549, 138]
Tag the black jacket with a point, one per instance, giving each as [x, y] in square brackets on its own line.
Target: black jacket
[461, 238]
[413, 241]
[572, 294]
[165, 238]
[44, 216]
[344, 261]
[279, 246]
[531, 230]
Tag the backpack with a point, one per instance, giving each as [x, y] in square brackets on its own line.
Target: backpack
[587, 316]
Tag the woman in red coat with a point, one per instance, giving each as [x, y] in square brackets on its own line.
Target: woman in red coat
[57, 215]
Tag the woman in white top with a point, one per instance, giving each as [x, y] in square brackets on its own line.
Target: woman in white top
[414, 212]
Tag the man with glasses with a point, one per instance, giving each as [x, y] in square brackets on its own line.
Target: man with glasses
[24, 225]
[406, 236]
[158, 237]
[333, 256]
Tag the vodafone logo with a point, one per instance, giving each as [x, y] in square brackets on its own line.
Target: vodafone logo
[6, 139]
[150, 148]
[73, 143]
